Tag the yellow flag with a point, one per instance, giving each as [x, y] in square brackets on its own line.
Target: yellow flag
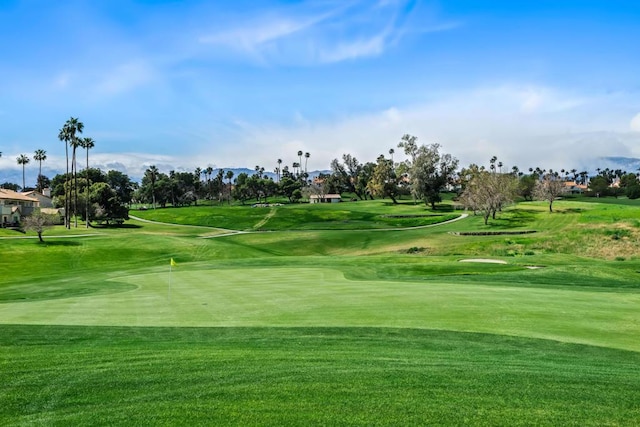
[173, 263]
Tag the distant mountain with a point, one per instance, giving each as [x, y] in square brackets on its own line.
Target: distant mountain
[627, 164]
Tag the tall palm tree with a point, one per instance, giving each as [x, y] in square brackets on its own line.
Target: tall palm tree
[279, 169]
[209, 172]
[306, 158]
[229, 176]
[300, 160]
[23, 160]
[75, 143]
[40, 156]
[152, 173]
[87, 144]
[68, 134]
[64, 135]
[391, 152]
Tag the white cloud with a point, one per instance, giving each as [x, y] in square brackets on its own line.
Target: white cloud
[125, 77]
[635, 123]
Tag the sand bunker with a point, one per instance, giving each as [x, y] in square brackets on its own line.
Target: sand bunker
[491, 261]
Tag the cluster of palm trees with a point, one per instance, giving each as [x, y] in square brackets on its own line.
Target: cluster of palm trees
[297, 166]
[69, 135]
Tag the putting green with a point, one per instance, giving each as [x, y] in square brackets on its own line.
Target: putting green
[323, 297]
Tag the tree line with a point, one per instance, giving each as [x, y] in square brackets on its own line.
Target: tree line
[423, 175]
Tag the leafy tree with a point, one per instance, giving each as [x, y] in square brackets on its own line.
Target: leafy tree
[288, 187]
[383, 182]
[38, 222]
[526, 186]
[599, 185]
[121, 184]
[241, 190]
[429, 170]
[549, 188]
[22, 160]
[107, 206]
[347, 174]
[10, 186]
[43, 182]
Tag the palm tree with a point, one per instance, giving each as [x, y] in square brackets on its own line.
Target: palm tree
[209, 171]
[68, 134]
[391, 152]
[22, 160]
[65, 135]
[40, 156]
[152, 173]
[299, 159]
[306, 158]
[229, 176]
[87, 144]
[75, 143]
[279, 169]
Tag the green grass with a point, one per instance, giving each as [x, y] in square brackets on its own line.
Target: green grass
[327, 318]
[308, 376]
[375, 214]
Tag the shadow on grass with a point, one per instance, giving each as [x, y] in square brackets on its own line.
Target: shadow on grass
[516, 218]
[58, 243]
[125, 226]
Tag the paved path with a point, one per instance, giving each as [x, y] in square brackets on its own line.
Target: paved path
[227, 232]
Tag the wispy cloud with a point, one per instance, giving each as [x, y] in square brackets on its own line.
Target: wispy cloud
[342, 31]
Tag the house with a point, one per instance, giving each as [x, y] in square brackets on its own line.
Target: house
[575, 188]
[43, 198]
[325, 198]
[14, 205]
[58, 213]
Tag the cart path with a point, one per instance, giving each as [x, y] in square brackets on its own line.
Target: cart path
[227, 232]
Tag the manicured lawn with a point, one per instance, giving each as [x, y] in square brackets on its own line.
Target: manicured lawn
[327, 319]
[308, 376]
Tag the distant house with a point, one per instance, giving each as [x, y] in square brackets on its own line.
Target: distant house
[325, 198]
[575, 188]
[15, 205]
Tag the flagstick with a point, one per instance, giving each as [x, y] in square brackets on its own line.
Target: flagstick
[169, 294]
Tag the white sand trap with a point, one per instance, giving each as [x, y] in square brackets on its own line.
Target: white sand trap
[534, 267]
[490, 261]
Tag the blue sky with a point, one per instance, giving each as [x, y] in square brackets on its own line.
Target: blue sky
[182, 84]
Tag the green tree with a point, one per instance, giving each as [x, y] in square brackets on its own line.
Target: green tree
[383, 182]
[40, 156]
[599, 185]
[429, 170]
[68, 134]
[23, 160]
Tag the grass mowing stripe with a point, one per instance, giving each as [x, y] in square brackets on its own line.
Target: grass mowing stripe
[302, 376]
